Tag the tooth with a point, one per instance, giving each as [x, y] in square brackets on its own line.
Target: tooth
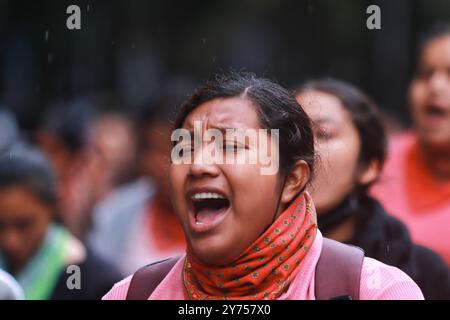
[207, 195]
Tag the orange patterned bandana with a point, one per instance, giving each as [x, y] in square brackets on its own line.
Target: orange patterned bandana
[266, 268]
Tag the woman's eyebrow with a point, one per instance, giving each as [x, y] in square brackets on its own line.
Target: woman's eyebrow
[324, 120]
[221, 129]
[224, 129]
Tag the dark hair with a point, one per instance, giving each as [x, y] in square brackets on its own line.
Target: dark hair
[23, 165]
[364, 114]
[276, 108]
[438, 30]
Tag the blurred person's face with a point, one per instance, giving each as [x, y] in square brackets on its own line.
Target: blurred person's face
[155, 156]
[223, 208]
[113, 139]
[429, 94]
[337, 144]
[23, 223]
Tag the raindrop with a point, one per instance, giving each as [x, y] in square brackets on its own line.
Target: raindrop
[46, 35]
[50, 58]
[204, 40]
[87, 8]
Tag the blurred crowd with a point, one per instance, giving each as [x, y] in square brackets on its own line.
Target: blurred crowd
[88, 186]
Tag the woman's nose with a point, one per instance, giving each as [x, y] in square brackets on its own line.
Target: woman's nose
[204, 162]
[439, 82]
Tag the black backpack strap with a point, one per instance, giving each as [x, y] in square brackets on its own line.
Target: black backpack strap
[338, 271]
[147, 278]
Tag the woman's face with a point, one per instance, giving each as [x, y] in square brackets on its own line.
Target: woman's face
[337, 144]
[219, 230]
[23, 223]
[429, 94]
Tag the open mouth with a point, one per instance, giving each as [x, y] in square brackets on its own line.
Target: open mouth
[207, 210]
[436, 112]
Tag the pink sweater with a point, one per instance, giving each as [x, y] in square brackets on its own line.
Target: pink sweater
[408, 191]
[378, 282]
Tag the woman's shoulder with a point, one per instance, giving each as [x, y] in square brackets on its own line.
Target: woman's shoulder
[119, 290]
[401, 141]
[383, 282]
[166, 274]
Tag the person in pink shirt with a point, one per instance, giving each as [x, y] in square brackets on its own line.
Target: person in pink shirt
[251, 227]
[351, 140]
[415, 185]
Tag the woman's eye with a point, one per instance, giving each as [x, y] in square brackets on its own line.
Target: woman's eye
[424, 73]
[323, 135]
[186, 150]
[233, 147]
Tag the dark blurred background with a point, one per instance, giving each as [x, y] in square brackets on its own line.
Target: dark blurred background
[128, 49]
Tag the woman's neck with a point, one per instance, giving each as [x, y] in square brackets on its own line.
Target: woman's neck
[340, 223]
[437, 160]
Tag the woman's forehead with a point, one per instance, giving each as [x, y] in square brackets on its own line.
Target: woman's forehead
[224, 113]
[436, 52]
[323, 107]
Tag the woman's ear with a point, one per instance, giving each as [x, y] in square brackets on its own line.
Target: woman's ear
[369, 173]
[296, 181]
